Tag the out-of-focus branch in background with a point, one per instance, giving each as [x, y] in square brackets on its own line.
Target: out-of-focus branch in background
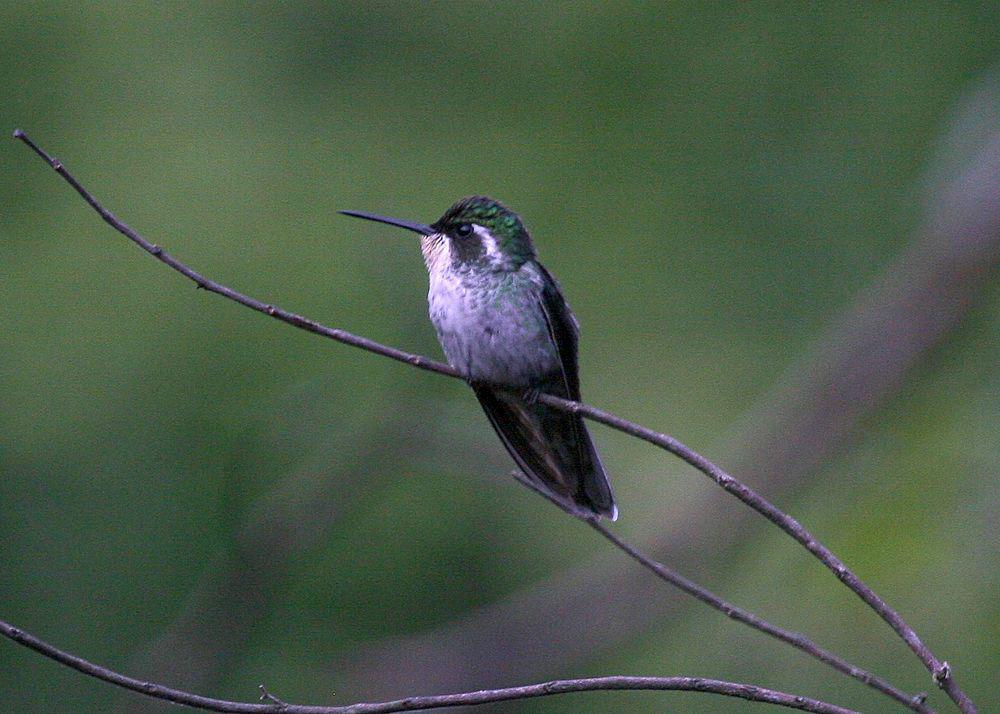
[855, 369]
[941, 671]
[905, 331]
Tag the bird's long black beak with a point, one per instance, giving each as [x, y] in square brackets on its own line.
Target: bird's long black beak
[420, 228]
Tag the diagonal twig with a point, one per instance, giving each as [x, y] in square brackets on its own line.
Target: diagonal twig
[274, 705]
[940, 671]
[795, 639]
[861, 360]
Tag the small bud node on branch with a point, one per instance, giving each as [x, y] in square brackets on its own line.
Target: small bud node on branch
[942, 674]
[266, 696]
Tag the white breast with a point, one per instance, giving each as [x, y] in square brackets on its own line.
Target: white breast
[491, 327]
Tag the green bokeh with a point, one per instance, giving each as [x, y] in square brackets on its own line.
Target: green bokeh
[712, 184]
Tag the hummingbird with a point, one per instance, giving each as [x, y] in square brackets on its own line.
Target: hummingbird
[506, 328]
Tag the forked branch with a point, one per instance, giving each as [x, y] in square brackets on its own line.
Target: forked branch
[685, 585]
[940, 671]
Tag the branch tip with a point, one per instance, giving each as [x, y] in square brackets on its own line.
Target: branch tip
[54, 163]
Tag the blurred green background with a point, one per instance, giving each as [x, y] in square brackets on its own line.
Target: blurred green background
[193, 493]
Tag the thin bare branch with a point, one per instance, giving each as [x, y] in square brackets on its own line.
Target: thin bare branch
[940, 671]
[854, 369]
[795, 639]
[274, 705]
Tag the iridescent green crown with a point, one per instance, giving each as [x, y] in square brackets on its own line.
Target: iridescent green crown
[487, 212]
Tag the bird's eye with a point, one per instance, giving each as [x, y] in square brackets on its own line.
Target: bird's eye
[464, 230]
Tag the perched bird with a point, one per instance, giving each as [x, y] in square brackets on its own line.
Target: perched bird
[505, 327]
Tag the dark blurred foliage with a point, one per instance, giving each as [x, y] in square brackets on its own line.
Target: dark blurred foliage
[193, 493]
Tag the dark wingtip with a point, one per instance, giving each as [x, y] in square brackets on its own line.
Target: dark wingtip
[604, 510]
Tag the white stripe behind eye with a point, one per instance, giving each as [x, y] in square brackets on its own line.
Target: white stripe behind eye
[489, 241]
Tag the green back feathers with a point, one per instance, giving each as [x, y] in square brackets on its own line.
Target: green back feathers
[502, 222]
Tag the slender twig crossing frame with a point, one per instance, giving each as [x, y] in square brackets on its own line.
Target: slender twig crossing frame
[795, 639]
[940, 671]
[274, 705]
